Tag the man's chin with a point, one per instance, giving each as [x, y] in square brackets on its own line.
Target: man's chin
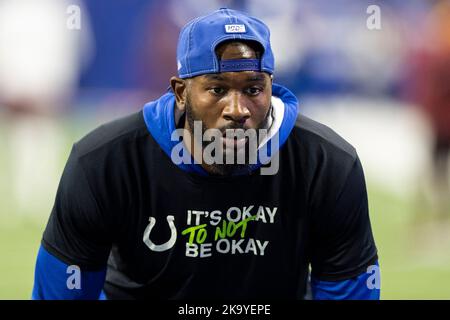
[228, 169]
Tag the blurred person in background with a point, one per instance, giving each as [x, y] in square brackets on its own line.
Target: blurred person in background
[40, 59]
[429, 86]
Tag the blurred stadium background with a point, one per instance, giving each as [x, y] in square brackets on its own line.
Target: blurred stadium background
[386, 91]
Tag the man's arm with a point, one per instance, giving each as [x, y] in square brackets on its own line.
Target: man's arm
[56, 280]
[363, 287]
[71, 262]
[344, 261]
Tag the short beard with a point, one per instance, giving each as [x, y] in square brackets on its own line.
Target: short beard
[217, 168]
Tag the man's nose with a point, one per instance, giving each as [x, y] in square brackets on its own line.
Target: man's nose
[236, 110]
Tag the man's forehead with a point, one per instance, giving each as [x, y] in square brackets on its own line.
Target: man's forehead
[236, 50]
[250, 76]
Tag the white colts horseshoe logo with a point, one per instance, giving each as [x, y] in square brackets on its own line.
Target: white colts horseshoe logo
[165, 246]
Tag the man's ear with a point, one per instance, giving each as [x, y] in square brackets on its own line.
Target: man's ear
[179, 89]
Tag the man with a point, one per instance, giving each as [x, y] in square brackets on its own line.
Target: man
[158, 219]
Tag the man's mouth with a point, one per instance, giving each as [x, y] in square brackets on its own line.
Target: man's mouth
[234, 142]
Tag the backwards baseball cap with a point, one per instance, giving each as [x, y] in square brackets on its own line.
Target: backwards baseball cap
[199, 38]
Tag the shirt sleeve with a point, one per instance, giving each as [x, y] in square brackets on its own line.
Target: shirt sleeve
[366, 286]
[56, 280]
[343, 243]
[78, 231]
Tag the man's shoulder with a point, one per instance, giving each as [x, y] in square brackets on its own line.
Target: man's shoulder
[318, 138]
[323, 156]
[113, 133]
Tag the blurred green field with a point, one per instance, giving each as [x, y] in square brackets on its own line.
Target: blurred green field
[414, 248]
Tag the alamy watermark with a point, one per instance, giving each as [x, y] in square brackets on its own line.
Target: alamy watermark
[73, 21]
[74, 278]
[213, 147]
[374, 280]
[373, 21]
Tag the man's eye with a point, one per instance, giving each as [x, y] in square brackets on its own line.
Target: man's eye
[217, 91]
[253, 91]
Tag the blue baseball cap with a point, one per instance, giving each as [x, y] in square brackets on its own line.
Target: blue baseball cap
[200, 37]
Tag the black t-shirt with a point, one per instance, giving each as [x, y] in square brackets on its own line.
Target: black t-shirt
[165, 233]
